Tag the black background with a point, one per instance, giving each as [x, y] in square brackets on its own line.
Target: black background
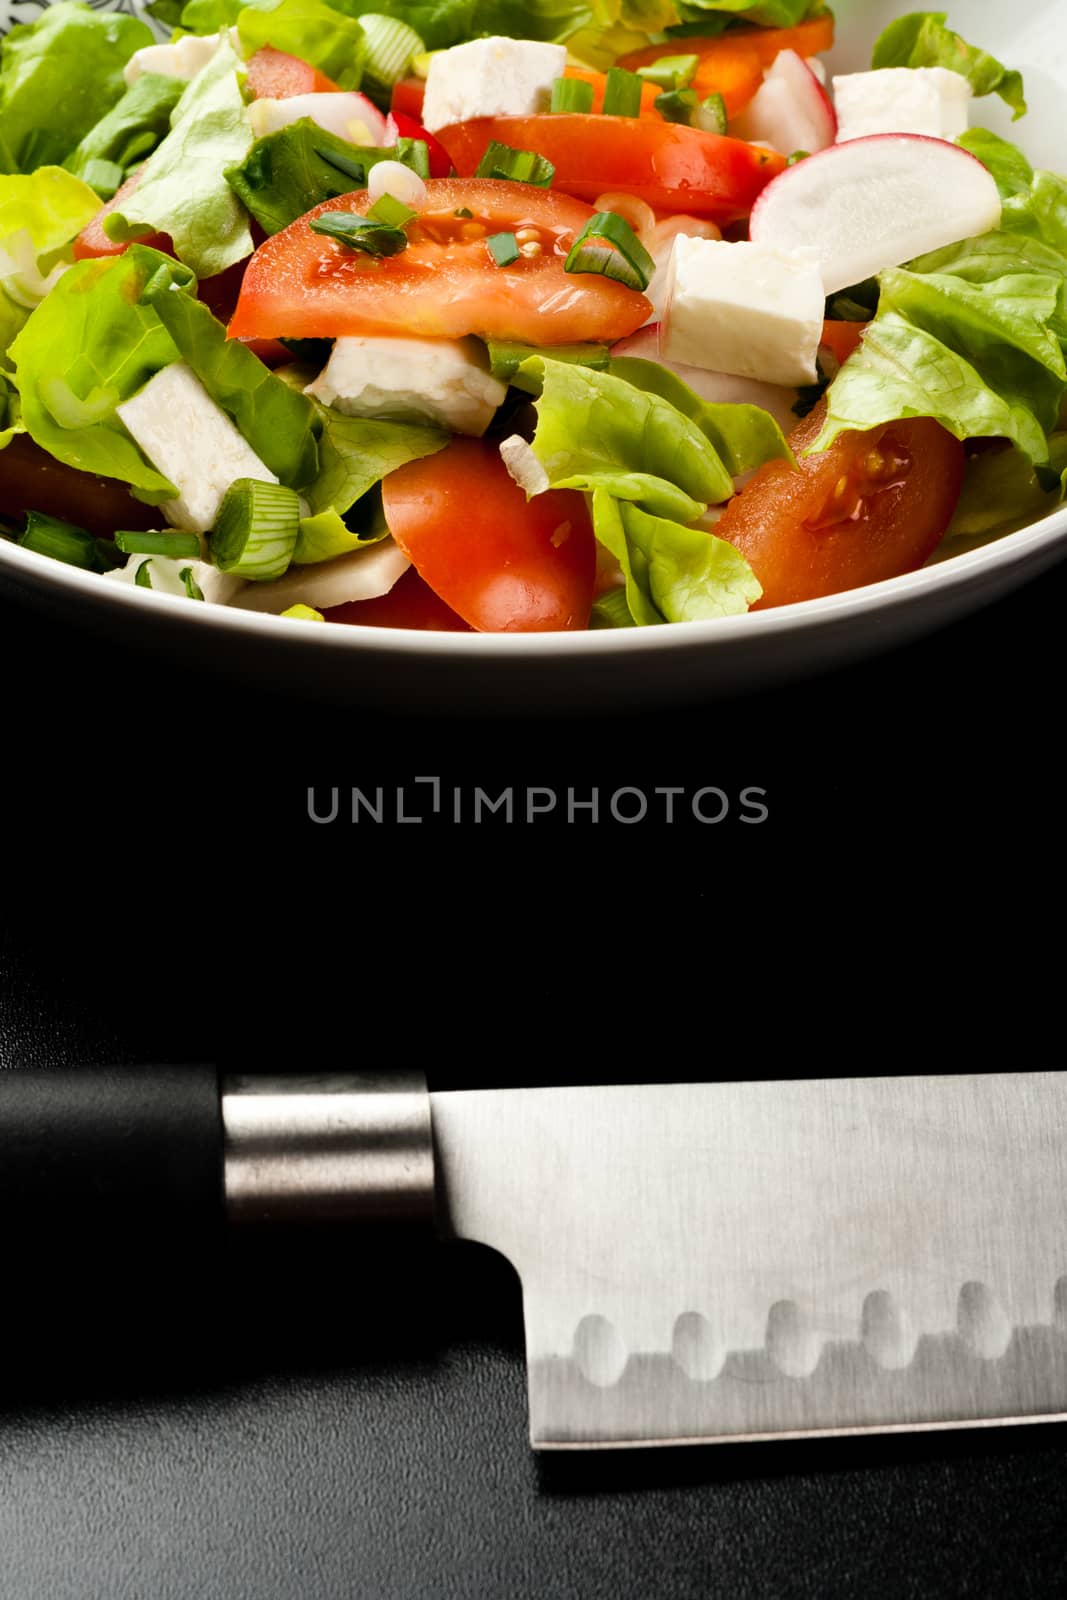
[305, 1425]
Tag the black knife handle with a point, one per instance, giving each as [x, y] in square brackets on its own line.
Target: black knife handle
[105, 1170]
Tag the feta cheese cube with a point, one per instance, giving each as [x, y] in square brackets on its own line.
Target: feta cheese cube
[445, 381]
[361, 575]
[191, 441]
[165, 573]
[181, 60]
[926, 100]
[490, 78]
[744, 309]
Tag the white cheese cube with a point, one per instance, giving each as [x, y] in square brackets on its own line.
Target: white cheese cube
[362, 575]
[490, 78]
[349, 116]
[744, 309]
[926, 100]
[181, 60]
[191, 441]
[445, 381]
[165, 573]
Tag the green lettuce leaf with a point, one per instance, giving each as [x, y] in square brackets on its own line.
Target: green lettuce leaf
[358, 452]
[183, 192]
[58, 77]
[40, 213]
[921, 39]
[326, 37]
[133, 128]
[10, 411]
[673, 573]
[745, 437]
[278, 421]
[288, 172]
[1003, 490]
[89, 346]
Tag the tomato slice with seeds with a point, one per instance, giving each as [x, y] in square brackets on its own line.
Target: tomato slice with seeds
[672, 168]
[873, 506]
[446, 284]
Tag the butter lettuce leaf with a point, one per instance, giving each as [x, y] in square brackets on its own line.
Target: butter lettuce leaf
[744, 437]
[40, 213]
[1003, 490]
[58, 77]
[182, 191]
[133, 127]
[673, 573]
[329, 38]
[90, 345]
[355, 454]
[10, 411]
[921, 39]
[288, 172]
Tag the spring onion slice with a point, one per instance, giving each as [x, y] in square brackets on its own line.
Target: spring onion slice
[360, 233]
[103, 176]
[63, 541]
[303, 613]
[504, 248]
[607, 245]
[143, 576]
[622, 93]
[391, 48]
[256, 529]
[506, 358]
[670, 72]
[571, 94]
[192, 588]
[387, 208]
[164, 543]
[710, 115]
[521, 166]
[797, 157]
[677, 105]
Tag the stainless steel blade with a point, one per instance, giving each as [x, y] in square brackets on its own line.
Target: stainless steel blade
[715, 1261]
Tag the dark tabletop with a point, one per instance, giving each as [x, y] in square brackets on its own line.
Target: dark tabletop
[315, 1428]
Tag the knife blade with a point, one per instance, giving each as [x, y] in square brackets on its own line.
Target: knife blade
[699, 1262]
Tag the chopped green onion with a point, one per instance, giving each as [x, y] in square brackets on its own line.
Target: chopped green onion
[165, 543]
[611, 610]
[103, 176]
[571, 94]
[409, 152]
[192, 588]
[463, 212]
[607, 245]
[413, 153]
[521, 166]
[387, 208]
[108, 556]
[710, 115]
[797, 157]
[143, 576]
[391, 48]
[622, 93]
[360, 233]
[49, 536]
[677, 105]
[256, 529]
[506, 358]
[671, 72]
[303, 613]
[504, 248]
[342, 162]
[138, 146]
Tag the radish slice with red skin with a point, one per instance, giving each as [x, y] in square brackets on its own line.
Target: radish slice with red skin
[791, 112]
[875, 203]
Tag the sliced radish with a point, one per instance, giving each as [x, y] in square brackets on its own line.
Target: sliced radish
[350, 116]
[721, 388]
[875, 203]
[363, 575]
[792, 111]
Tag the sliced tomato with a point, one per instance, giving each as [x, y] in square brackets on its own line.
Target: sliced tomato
[843, 338]
[446, 284]
[671, 167]
[33, 480]
[410, 603]
[504, 563]
[873, 506]
[93, 241]
[274, 75]
[408, 127]
[733, 64]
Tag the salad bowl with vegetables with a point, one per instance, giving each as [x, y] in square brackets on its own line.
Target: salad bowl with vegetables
[559, 352]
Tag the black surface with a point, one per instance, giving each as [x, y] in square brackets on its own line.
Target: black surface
[304, 1426]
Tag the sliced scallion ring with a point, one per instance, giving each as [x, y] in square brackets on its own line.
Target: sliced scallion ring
[504, 248]
[521, 166]
[622, 93]
[387, 208]
[670, 72]
[607, 245]
[360, 233]
[391, 48]
[165, 543]
[571, 94]
[192, 588]
[677, 105]
[256, 529]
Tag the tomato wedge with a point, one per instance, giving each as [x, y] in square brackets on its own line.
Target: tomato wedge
[274, 75]
[410, 603]
[407, 97]
[843, 338]
[733, 65]
[93, 241]
[671, 167]
[873, 506]
[446, 284]
[504, 563]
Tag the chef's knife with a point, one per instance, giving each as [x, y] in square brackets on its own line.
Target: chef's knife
[699, 1261]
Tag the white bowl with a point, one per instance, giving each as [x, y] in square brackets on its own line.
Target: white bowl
[631, 667]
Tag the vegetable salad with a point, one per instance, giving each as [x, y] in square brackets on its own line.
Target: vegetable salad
[472, 314]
